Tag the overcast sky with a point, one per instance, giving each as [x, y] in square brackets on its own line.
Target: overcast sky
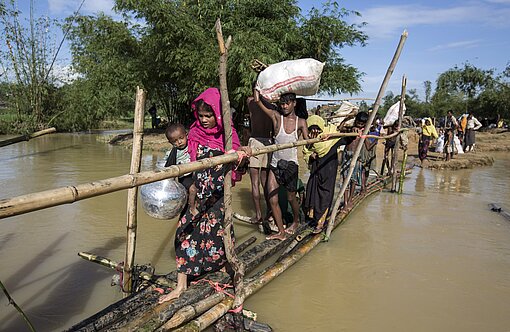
[442, 34]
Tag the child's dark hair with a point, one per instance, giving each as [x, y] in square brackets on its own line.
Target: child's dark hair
[201, 105]
[173, 127]
[362, 117]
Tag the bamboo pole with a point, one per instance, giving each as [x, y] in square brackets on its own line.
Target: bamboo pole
[101, 260]
[236, 264]
[44, 199]
[402, 173]
[397, 143]
[188, 312]
[136, 159]
[380, 94]
[23, 138]
[15, 305]
[109, 263]
[345, 99]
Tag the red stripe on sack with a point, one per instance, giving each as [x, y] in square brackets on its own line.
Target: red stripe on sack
[287, 82]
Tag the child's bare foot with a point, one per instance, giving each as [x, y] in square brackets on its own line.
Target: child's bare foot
[171, 296]
[292, 228]
[278, 236]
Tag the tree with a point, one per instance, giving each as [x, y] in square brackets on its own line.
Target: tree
[494, 102]
[177, 50]
[106, 55]
[458, 88]
[25, 65]
[428, 90]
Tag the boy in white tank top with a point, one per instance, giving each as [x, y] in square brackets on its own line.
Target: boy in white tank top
[284, 164]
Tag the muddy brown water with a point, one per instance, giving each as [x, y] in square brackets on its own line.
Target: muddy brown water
[432, 259]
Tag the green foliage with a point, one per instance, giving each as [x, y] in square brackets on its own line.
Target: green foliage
[475, 90]
[414, 106]
[458, 88]
[106, 54]
[174, 53]
[25, 54]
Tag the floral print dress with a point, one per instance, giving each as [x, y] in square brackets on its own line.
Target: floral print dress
[199, 244]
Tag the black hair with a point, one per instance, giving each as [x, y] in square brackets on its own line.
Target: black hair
[287, 97]
[300, 108]
[201, 105]
[361, 117]
[173, 127]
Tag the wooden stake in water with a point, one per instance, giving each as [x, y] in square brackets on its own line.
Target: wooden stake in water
[237, 265]
[136, 157]
[397, 142]
[402, 172]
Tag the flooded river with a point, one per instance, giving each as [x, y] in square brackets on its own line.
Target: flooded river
[432, 259]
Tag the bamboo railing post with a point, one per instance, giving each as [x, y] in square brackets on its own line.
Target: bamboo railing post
[397, 142]
[389, 72]
[402, 172]
[136, 157]
[237, 265]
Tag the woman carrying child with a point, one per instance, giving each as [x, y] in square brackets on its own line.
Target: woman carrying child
[323, 160]
[199, 246]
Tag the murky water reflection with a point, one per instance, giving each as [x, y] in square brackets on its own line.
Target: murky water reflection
[434, 258]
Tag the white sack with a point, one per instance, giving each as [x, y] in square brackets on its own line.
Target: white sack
[301, 77]
[392, 114]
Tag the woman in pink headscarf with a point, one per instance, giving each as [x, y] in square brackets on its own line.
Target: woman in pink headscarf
[199, 244]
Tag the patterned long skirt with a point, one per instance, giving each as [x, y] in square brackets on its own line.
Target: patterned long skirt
[423, 147]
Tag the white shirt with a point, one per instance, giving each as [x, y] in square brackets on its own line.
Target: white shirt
[473, 123]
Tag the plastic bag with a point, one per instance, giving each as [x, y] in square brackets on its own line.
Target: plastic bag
[163, 199]
[458, 146]
[440, 144]
[301, 77]
[392, 114]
